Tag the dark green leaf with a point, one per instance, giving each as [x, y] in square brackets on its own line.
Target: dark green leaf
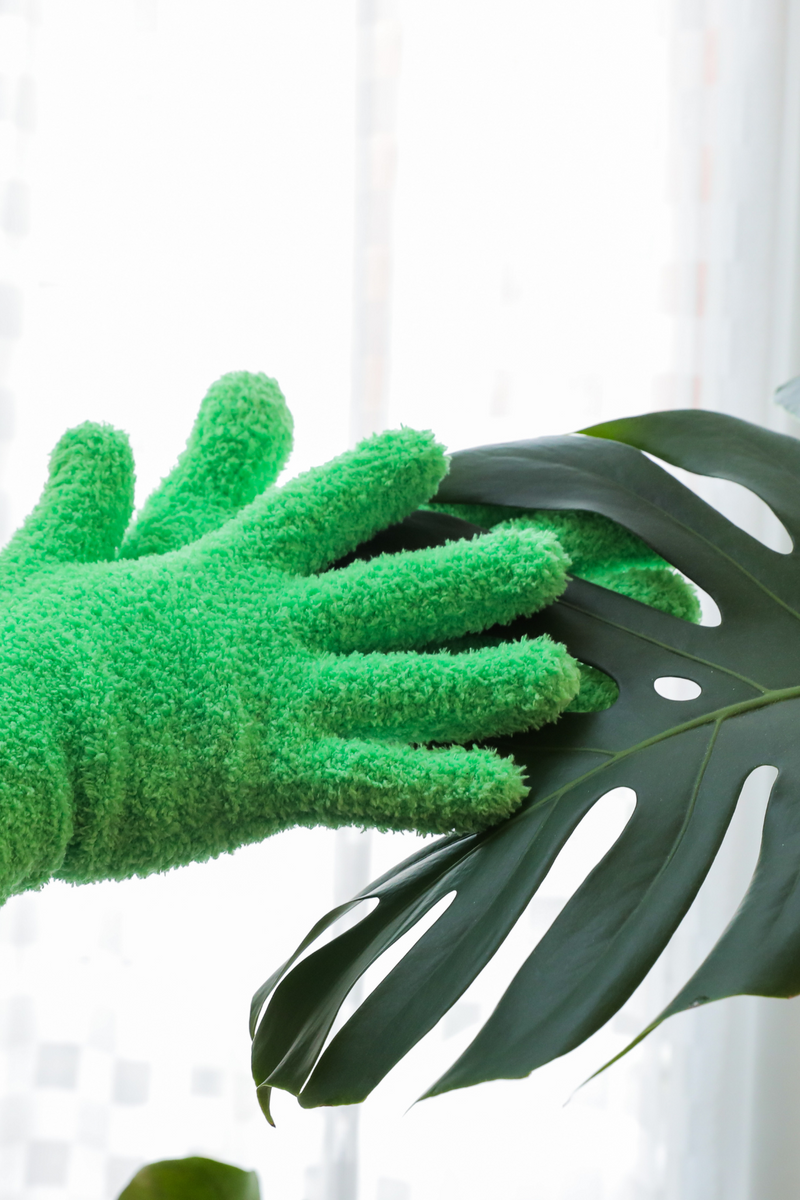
[686, 762]
[192, 1179]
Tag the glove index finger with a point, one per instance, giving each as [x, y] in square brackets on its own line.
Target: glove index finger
[239, 444]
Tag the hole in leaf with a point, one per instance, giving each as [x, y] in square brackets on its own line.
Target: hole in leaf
[591, 841]
[460, 1017]
[741, 506]
[387, 961]
[348, 920]
[400, 949]
[709, 609]
[341, 925]
[674, 687]
[593, 838]
[598, 691]
[718, 899]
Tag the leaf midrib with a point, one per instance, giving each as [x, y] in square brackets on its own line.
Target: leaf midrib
[718, 715]
[654, 641]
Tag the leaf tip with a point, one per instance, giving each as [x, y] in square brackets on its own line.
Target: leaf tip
[263, 1094]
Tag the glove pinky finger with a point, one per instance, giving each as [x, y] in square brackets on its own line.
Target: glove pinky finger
[399, 787]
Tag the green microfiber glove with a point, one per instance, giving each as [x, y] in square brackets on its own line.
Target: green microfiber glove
[206, 681]
[604, 553]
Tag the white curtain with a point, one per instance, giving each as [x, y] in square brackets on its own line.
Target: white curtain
[584, 210]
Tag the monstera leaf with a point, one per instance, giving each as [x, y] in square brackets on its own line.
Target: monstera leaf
[685, 761]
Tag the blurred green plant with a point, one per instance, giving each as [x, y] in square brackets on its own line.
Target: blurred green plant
[192, 1179]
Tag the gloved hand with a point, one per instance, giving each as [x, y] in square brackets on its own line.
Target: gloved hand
[605, 553]
[211, 682]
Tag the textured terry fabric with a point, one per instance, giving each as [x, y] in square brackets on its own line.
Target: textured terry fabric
[205, 685]
[599, 550]
[602, 552]
[87, 504]
[239, 444]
